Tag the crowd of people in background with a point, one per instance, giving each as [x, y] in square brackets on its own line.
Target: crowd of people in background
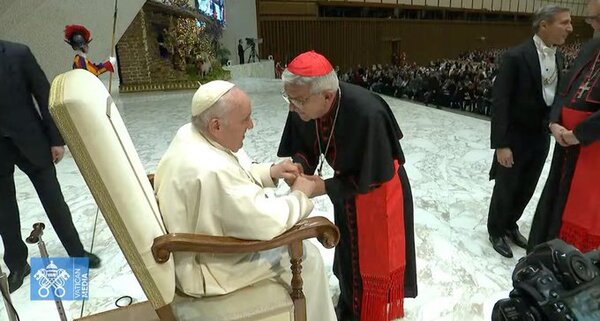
[463, 83]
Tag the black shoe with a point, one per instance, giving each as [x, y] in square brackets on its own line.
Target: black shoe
[93, 259]
[15, 279]
[499, 244]
[516, 237]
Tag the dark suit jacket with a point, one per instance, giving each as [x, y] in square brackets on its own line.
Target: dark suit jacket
[519, 110]
[21, 78]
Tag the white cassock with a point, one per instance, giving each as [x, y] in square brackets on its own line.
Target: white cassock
[206, 189]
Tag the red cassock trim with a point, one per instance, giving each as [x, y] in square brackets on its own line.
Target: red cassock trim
[382, 250]
[581, 217]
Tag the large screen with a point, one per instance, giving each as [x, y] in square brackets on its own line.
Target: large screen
[212, 8]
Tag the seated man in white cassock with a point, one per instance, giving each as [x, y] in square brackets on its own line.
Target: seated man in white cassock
[206, 184]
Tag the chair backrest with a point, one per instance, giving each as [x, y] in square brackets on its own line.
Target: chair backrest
[95, 133]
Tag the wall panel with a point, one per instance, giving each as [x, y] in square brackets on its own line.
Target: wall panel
[522, 6]
[349, 42]
[303, 7]
[487, 4]
[496, 5]
[581, 10]
[289, 8]
[444, 3]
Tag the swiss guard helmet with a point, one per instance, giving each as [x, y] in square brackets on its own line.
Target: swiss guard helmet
[77, 36]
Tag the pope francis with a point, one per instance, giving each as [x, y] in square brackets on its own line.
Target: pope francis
[206, 184]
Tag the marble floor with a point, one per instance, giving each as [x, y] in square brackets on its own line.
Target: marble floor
[448, 156]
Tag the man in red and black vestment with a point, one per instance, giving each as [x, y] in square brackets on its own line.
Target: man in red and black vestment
[569, 207]
[355, 131]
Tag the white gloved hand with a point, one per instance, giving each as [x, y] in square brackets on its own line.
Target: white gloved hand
[113, 61]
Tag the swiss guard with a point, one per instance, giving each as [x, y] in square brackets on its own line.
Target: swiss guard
[79, 38]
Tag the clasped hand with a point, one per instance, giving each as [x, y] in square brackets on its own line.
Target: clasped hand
[563, 136]
[292, 174]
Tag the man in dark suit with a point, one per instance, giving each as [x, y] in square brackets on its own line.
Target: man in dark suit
[522, 95]
[241, 51]
[29, 139]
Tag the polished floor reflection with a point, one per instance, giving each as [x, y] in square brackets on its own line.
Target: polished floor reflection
[448, 158]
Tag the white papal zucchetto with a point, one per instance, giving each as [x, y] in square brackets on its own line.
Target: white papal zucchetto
[208, 94]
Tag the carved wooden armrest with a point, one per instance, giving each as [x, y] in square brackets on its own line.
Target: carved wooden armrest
[321, 228]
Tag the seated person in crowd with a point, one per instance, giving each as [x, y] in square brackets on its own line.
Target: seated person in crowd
[206, 184]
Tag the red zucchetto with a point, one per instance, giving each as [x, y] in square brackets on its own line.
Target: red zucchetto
[310, 64]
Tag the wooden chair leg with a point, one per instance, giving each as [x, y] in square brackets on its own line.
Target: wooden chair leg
[297, 295]
[166, 313]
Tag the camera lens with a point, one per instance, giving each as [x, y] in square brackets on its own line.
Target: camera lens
[580, 269]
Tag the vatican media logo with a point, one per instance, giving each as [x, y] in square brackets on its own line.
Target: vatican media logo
[59, 278]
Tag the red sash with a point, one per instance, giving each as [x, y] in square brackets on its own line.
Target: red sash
[382, 250]
[581, 217]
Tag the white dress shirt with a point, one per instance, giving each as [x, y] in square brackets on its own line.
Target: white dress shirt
[547, 58]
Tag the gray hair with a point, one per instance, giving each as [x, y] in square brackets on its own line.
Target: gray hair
[546, 13]
[218, 110]
[317, 84]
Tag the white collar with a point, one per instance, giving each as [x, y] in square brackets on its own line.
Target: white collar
[542, 47]
[80, 53]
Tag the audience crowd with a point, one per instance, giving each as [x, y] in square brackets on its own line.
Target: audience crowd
[463, 83]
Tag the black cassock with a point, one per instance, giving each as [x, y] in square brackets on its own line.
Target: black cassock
[365, 155]
[569, 207]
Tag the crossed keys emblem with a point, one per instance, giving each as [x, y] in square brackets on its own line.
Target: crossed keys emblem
[51, 277]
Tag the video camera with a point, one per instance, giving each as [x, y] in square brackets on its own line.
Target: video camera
[555, 282]
[251, 42]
